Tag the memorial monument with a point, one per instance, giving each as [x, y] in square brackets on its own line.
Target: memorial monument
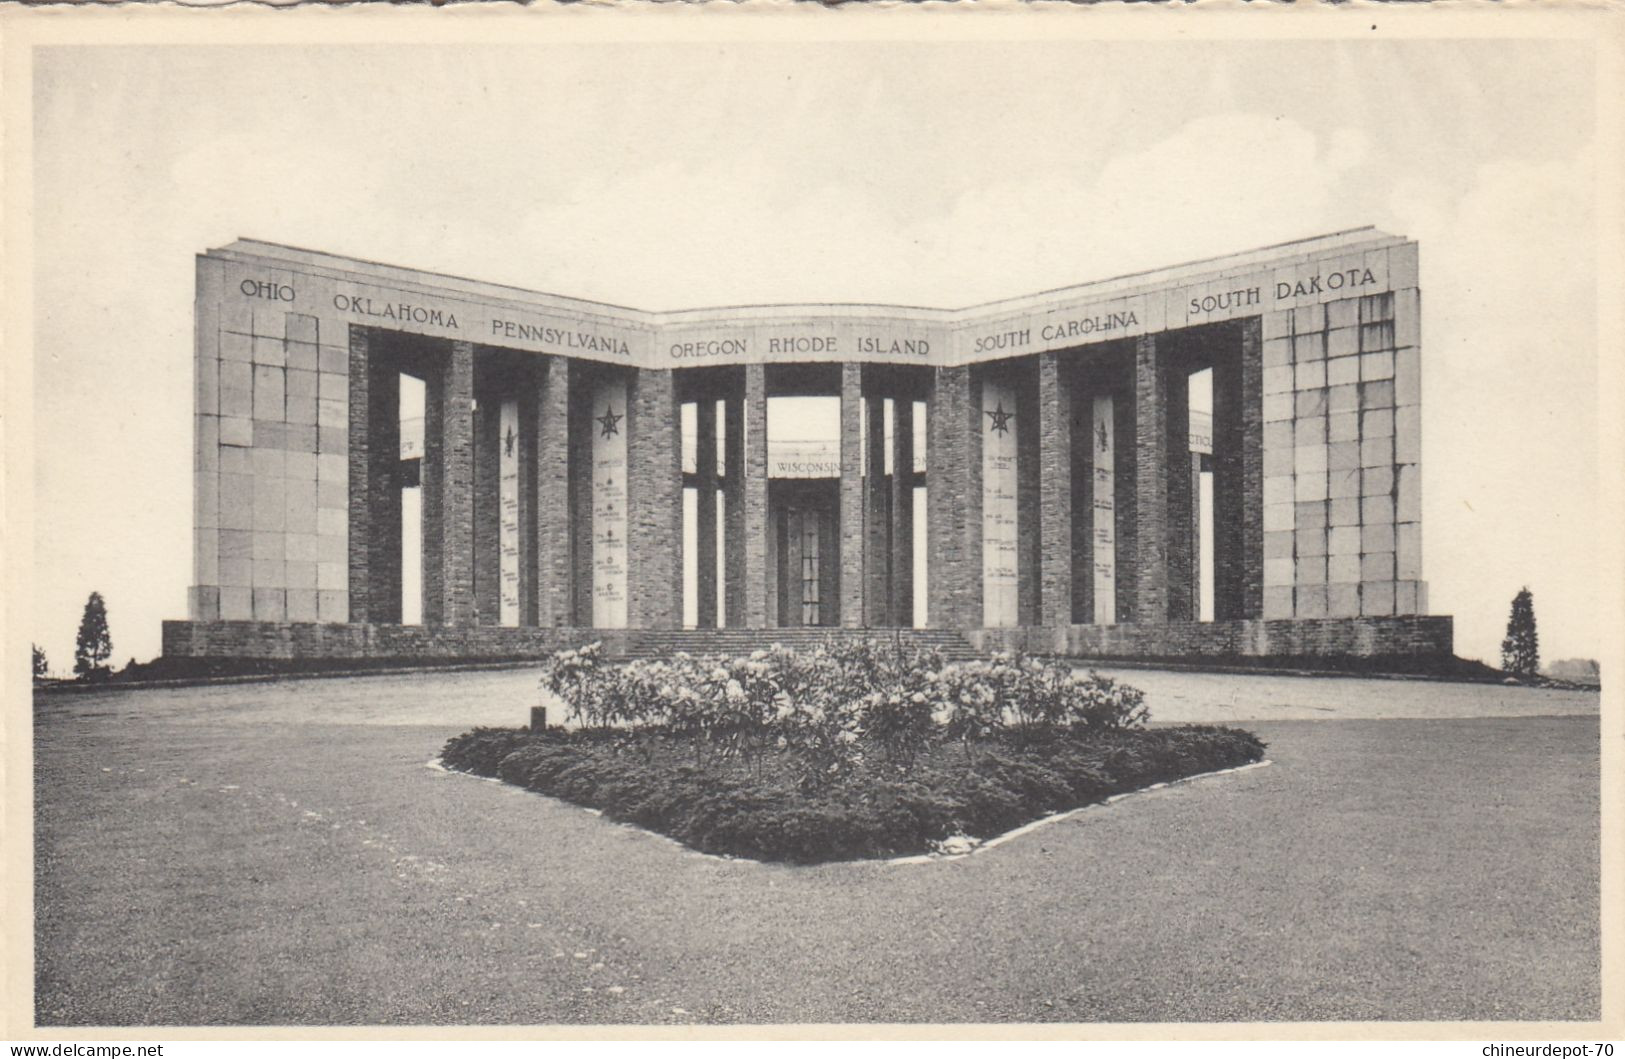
[1049, 441]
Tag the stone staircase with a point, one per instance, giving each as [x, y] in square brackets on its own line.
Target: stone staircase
[657, 643]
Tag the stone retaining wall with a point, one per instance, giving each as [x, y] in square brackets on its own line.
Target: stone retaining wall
[1417, 636]
[271, 639]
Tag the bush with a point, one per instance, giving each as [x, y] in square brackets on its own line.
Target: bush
[762, 809]
[483, 749]
[857, 749]
[822, 708]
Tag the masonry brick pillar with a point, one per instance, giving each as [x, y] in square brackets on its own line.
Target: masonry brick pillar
[734, 584]
[554, 583]
[876, 531]
[375, 493]
[705, 522]
[1250, 584]
[654, 504]
[902, 512]
[853, 530]
[448, 487]
[954, 535]
[1055, 491]
[753, 580]
[1238, 475]
[1161, 484]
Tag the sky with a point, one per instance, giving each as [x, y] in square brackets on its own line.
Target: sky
[664, 176]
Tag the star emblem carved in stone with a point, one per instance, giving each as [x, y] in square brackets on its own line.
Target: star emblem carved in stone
[608, 421]
[1001, 419]
[507, 443]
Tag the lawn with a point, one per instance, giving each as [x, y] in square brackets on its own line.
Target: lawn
[249, 857]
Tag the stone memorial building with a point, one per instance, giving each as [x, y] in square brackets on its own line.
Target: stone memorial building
[1217, 459]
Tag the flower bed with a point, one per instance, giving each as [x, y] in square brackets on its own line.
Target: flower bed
[858, 750]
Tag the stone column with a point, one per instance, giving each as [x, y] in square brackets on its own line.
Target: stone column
[1055, 491]
[1159, 528]
[734, 586]
[954, 534]
[902, 512]
[876, 536]
[705, 468]
[853, 531]
[375, 494]
[654, 504]
[1238, 475]
[1248, 595]
[554, 581]
[448, 488]
[754, 531]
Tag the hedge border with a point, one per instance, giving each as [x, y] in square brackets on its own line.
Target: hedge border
[877, 818]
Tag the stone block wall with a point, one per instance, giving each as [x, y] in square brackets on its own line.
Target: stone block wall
[360, 640]
[1408, 636]
[1341, 458]
[271, 462]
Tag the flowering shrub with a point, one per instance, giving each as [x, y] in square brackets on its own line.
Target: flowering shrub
[822, 708]
[1102, 703]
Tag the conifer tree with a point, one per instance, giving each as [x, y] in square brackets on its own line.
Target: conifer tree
[95, 644]
[1520, 651]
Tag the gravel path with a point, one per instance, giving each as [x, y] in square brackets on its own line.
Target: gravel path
[273, 854]
[504, 697]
